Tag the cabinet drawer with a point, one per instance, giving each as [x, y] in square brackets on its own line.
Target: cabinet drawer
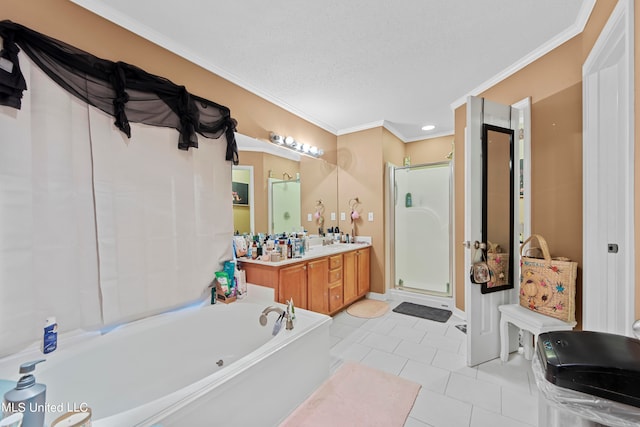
[335, 298]
[335, 276]
[335, 262]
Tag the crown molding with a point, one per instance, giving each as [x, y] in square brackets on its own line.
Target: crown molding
[569, 33]
[102, 9]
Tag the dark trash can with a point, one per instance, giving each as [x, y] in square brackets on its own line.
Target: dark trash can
[587, 379]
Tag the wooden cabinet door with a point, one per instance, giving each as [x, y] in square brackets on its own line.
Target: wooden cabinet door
[318, 285]
[335, 298]
[364, 280]
[349, 276]
[293, 284]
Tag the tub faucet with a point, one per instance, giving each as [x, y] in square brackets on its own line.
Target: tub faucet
[282, 315]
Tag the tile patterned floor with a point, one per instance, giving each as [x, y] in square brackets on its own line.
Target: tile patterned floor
[493, 394]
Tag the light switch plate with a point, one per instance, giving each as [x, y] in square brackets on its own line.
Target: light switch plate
[333, 216]
[308, 217]
[343, 216]
[370, 216]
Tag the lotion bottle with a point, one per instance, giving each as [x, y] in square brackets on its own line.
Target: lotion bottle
[28, 397]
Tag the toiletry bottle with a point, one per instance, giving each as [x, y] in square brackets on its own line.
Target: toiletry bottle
[28, 397]
[254, 250]
[407, 200]
[50, 339]
[289, 249]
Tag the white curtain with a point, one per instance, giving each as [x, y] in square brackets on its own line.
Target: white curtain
[48, 259]
[164, 217]
[96, 228]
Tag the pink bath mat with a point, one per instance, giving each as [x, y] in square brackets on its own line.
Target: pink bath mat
[357, 395]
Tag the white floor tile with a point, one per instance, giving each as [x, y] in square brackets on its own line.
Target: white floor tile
[438, 410]
[341, 330]
[407, 333]
[381, 325]
[381, 342]
[418, 352]
[431, 378]
[431, 326]
[344, 317]
[404, 319]
[348, 350]
[483, 418]
[453, 362]
[441, 342]
[384, 361]
[478, 393]
[520, 406]
[333, 341]
[512, 375]
[433, 354]
[412, 422]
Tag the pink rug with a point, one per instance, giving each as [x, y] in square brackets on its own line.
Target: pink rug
[357, 395]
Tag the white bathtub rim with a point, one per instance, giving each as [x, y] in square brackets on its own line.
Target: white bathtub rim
[73, 341]
[161, 408]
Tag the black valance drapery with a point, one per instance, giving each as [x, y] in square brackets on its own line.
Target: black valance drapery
[124, 91]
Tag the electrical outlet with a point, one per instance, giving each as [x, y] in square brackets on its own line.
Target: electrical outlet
[370, 216]
[333, 216]
[343, 216]
[309, 218]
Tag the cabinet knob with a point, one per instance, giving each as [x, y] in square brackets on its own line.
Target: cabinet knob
[304, 267]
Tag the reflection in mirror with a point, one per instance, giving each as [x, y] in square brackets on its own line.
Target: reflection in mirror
[284, 206]
[497, 205]
[318, 181]
[242, 195]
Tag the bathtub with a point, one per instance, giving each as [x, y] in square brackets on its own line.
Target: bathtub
[202, 366]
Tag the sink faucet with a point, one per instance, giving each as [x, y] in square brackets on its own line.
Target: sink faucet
[282, 315]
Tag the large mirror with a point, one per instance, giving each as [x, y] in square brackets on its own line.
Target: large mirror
[498, 205]
[299, 181]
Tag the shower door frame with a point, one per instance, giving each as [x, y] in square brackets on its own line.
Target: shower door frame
[391, 169]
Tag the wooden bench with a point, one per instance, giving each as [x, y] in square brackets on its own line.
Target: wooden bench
[531, 323]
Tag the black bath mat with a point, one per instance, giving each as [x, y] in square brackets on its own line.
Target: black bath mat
[417, 310]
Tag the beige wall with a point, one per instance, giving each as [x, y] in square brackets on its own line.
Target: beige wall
[430, 150]
[554, 84]
[72, 24]
[361, 174]
[549, 81]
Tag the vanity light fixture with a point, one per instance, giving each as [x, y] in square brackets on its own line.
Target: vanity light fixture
[299, 147]
[428, 127]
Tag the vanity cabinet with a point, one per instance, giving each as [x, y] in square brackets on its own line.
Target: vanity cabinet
[292, 283]
[336, 296]
[356, 269]
[324, 284]
[317, 280]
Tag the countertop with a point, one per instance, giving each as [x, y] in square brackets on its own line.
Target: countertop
[313, 252]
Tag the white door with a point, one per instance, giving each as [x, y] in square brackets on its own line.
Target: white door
[608, 176]
[483, 317]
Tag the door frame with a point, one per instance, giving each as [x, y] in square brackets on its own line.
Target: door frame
[612, 290]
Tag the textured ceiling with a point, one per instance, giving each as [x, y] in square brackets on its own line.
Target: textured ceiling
[350, 65]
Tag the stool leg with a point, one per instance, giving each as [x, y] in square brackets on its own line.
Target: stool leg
[527, 340]
[504, 340]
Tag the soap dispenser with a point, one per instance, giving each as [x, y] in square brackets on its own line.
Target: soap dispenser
[28, 397]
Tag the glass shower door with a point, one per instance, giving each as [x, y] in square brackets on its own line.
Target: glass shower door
[422, 228]
[285, 206]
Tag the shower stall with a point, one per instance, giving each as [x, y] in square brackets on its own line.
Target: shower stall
[419, 228]
[284, 206]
